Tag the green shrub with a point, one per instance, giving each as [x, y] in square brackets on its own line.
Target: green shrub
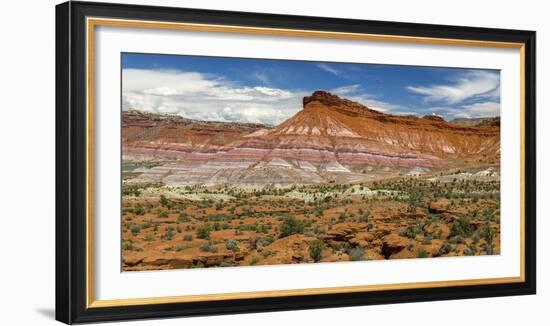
[488, 233]
[427, 239]
[461, 227]
[416, 198]
[342, 217]
[188, 237]
[203, 232]
[470, 250]
[457, 239]
[180, 248]
[139, 210]
[127, 245]
[255, 260]
[290, 226]
[232, 245]
[316, 248]
[446, 248]
[356, 254]
[422, 254]
[183, 217]
[135, 230]
[266, 241]
[163, 200]
[411, 232]
[169, 233]
[209, 247]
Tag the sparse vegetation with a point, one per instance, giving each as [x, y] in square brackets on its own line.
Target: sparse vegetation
[356, 254]
[209, 247]
[335, 222]
[316, 248]
[232, 245]
[291, 225]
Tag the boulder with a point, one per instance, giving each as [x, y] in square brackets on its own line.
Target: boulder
[393, 244]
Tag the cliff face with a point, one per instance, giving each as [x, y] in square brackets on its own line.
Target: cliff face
[329, 135]
[353, 128]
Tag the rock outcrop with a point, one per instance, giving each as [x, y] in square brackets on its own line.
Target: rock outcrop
[330, 139]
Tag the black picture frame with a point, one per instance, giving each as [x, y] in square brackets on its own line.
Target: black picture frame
[71, 158]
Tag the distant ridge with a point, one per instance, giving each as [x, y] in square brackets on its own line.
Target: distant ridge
[331, 138]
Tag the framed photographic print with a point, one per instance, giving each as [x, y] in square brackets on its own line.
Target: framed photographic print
[214, 162]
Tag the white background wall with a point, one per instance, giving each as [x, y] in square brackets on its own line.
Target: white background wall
[27, 163]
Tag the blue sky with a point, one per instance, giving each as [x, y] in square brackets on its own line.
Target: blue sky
[270, 91]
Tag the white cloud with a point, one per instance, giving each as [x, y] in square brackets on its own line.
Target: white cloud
[262, 77]
[330, 69]
[483, 109]
[474, 83]
[475, 110]
[357, 94]
[206, 97]
[345, 90]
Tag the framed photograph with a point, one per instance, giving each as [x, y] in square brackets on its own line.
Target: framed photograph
[213, 162]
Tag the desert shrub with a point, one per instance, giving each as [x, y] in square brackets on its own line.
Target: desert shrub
[316, 248]
[255, 260]
[149, 237]
[476, 237]
[169, 233]
[188, 237]
[127, 245]
[163, 200]
[291, 225]
[162, 214]
[318, 229]
[128, 190]
[203, 232]
[198, 265]
[446, 248]
[411, 231]
[208, 247]
[470, 250]
[422, 254]
[183, 217]
[217, 226]
[139, 210]
[147, 225]
[416, 198]
[135, 230]
[427, 239]
[457, 239]
[370, 226]
[232, 245]
[180, 247]
[488, 233]
[462, 228]
[266, 241]
[342, 217]
[319, 213]
[225, 264]
[356, 254]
